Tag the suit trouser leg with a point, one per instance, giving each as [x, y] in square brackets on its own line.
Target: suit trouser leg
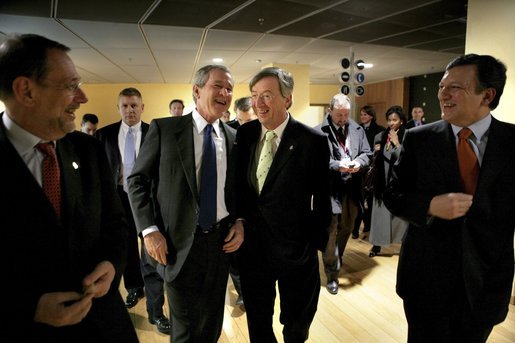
[196, 296]
[258, 284]
[154, 286]
[132, 277]
[339, 233]
[454, 322]
[299, 289]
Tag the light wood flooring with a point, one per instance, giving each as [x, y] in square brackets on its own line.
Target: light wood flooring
[366, 308]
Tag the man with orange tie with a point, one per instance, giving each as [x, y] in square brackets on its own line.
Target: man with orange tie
[455, 184]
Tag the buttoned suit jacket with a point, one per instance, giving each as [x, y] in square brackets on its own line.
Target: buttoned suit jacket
[167, 163]
[44, 254]
[109, 136]
[289, 219]
[359, 150]
[477, 248]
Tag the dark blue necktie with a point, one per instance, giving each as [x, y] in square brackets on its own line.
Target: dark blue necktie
[207, 215]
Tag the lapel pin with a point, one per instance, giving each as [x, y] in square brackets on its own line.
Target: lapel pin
[291, 147]
[75, 165]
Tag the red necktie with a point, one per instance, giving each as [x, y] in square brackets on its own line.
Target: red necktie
[51, 175]
[468, 163]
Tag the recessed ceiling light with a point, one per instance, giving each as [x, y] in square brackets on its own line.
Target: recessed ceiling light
[218, 60]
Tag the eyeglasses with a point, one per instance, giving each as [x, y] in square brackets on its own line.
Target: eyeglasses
[73, 87]
[267, 97]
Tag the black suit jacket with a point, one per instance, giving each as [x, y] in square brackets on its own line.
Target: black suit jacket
[478, 248]
[167, 162]
[290, 218]
[42, 254]
[109, 136]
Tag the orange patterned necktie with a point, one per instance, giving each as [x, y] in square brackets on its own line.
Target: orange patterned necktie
[468, 163]
[51, 175]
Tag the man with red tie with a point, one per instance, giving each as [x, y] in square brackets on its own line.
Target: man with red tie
[455, 184]
[62, 222]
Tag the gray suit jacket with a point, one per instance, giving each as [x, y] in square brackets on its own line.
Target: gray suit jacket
[166, 166]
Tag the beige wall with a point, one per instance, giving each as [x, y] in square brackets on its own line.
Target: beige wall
[491, 31]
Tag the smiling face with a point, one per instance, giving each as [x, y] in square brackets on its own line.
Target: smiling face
[460, 101]
[270, 106]
[54, 100]
[394, 121]
[215, 97]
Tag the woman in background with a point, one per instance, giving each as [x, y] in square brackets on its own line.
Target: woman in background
[386, 228]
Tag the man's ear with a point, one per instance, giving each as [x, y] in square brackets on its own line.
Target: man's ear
[23, 90]
[489, 96]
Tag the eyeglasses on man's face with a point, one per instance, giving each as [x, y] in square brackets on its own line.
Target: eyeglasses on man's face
[266, 97]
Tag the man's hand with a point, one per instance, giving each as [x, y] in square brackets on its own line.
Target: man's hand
[234, 238]
[450, 205]
[99, 280]
[62, 308]
[349, 167]
[156, 246]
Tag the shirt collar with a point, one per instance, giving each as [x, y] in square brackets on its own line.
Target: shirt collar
[478, 128]
[22, 140]
[135, 127]
[201, 123]
[279, 130]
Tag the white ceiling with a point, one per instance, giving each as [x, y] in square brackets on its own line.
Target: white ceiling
[119, 50]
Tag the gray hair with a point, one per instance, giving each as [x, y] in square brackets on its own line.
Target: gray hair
[339, 100]
[285, 79]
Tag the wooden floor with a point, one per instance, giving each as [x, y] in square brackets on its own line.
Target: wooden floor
[366, 308]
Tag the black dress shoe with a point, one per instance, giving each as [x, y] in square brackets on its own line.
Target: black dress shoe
[239, 301]
[162, 323]
[332, 287]
[376, 249]
[133, 297]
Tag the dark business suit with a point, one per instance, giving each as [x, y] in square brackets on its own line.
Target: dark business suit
[138, 273]
[167, 162]
[466, 262]
[282, 230]
[411, 124]
[42, 254]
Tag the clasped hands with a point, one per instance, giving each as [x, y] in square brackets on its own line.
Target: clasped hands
[347, 166]
[69, 308]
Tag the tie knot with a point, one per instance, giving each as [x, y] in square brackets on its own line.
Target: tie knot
[269, 135]
[46, 148]
[208, 130]
[464, 133]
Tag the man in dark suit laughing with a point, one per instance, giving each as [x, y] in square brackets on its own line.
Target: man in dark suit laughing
[455, 184]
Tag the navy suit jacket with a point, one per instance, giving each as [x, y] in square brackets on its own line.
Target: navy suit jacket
[290, 217]
[476, 249]
[166, 166]
[43, 254]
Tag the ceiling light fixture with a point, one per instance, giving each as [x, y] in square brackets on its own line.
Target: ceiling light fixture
[218, 60]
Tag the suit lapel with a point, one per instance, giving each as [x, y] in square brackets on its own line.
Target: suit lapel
[184, 137]
[70, 179]
[493, 160]
[284, 151]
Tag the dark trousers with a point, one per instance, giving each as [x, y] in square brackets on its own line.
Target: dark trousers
[139, 272]
[454, 323]
[339, 232]
[196, 296]
[299, 288]
[132, 277]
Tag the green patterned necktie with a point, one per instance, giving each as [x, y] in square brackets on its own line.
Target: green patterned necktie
[265, 159]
